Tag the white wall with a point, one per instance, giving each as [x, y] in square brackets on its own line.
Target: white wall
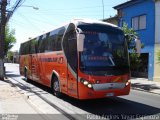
[157, 41]
[157, 22]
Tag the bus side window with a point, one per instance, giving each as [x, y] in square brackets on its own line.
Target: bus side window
[73, 50]
[53, 42]
[27, 48]
[46, 43]
[33, 45]
[50, 45]
[70, 47]
[22, 49]
[58, 43]
[41, 46]
[36, 46]
[60, 33]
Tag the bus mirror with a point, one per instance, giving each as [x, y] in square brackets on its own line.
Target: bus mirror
[80, 42]
[138, 45]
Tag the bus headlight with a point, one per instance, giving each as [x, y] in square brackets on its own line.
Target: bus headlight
[85, 82]
[89, 85]
[128, 82]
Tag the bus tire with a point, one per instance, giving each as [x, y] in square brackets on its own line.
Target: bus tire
[25, 75]
[56, 87]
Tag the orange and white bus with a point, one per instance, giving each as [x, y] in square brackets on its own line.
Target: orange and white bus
[84, 59]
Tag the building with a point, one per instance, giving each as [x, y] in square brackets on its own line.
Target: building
[113, 20]
[144, 17]
[12, 57]
[15, 57]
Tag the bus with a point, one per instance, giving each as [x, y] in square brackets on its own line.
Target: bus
[84, 59]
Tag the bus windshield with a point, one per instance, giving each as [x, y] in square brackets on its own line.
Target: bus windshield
[104, 51]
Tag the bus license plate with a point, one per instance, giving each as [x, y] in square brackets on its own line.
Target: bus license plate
[109, 94]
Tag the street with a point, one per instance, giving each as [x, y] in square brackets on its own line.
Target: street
[137, 105]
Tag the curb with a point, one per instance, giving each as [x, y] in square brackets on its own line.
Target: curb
[38, 106]
[25, 96]
[139, 89]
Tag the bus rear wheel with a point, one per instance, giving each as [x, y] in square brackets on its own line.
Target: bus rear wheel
[56, 87]
[25, 76]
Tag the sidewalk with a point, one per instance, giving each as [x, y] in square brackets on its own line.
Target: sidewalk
[12, 101]
[145, 85]
[14, 105]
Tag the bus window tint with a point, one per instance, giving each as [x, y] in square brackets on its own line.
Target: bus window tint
[40, 44]
[59, 38]
[70, 47]
[52, 41]
[33, 44]
[104, 49]
[21, 52]
[46, 43]
[25, 48]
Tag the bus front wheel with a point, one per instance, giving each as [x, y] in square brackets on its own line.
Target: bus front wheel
[56, 87]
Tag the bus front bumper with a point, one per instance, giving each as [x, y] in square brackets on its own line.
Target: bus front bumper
[104, 90]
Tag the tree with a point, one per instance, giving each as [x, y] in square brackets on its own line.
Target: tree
[10, 39]
[158, 54]
[131, 34]
[10, 55]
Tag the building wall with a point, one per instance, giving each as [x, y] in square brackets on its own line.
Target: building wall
[112, 20]
[147, 35]
[157, 41]
[157, 22]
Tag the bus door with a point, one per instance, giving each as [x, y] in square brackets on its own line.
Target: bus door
[70, 51]
[34, 61]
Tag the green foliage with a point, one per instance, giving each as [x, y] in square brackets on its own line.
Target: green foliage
[10, 55]
[158, 55]
[135, 61]
[10, 39]
[130, 34]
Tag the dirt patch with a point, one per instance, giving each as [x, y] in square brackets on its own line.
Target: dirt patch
[8, 92]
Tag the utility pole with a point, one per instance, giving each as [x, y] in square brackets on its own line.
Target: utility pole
[103, 8]
[3, 20]
[2, 37]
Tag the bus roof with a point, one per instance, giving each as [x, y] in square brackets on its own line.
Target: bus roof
[77, 21]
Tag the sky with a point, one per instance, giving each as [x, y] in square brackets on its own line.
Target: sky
[29, 22]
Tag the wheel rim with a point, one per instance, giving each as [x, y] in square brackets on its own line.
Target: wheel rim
[56, 86]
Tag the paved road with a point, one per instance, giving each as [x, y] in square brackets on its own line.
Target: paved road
[137, 105]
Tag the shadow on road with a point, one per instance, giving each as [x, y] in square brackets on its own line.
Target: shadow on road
[146, 87]
[113, 106]
[12, 75]
[109, 107]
